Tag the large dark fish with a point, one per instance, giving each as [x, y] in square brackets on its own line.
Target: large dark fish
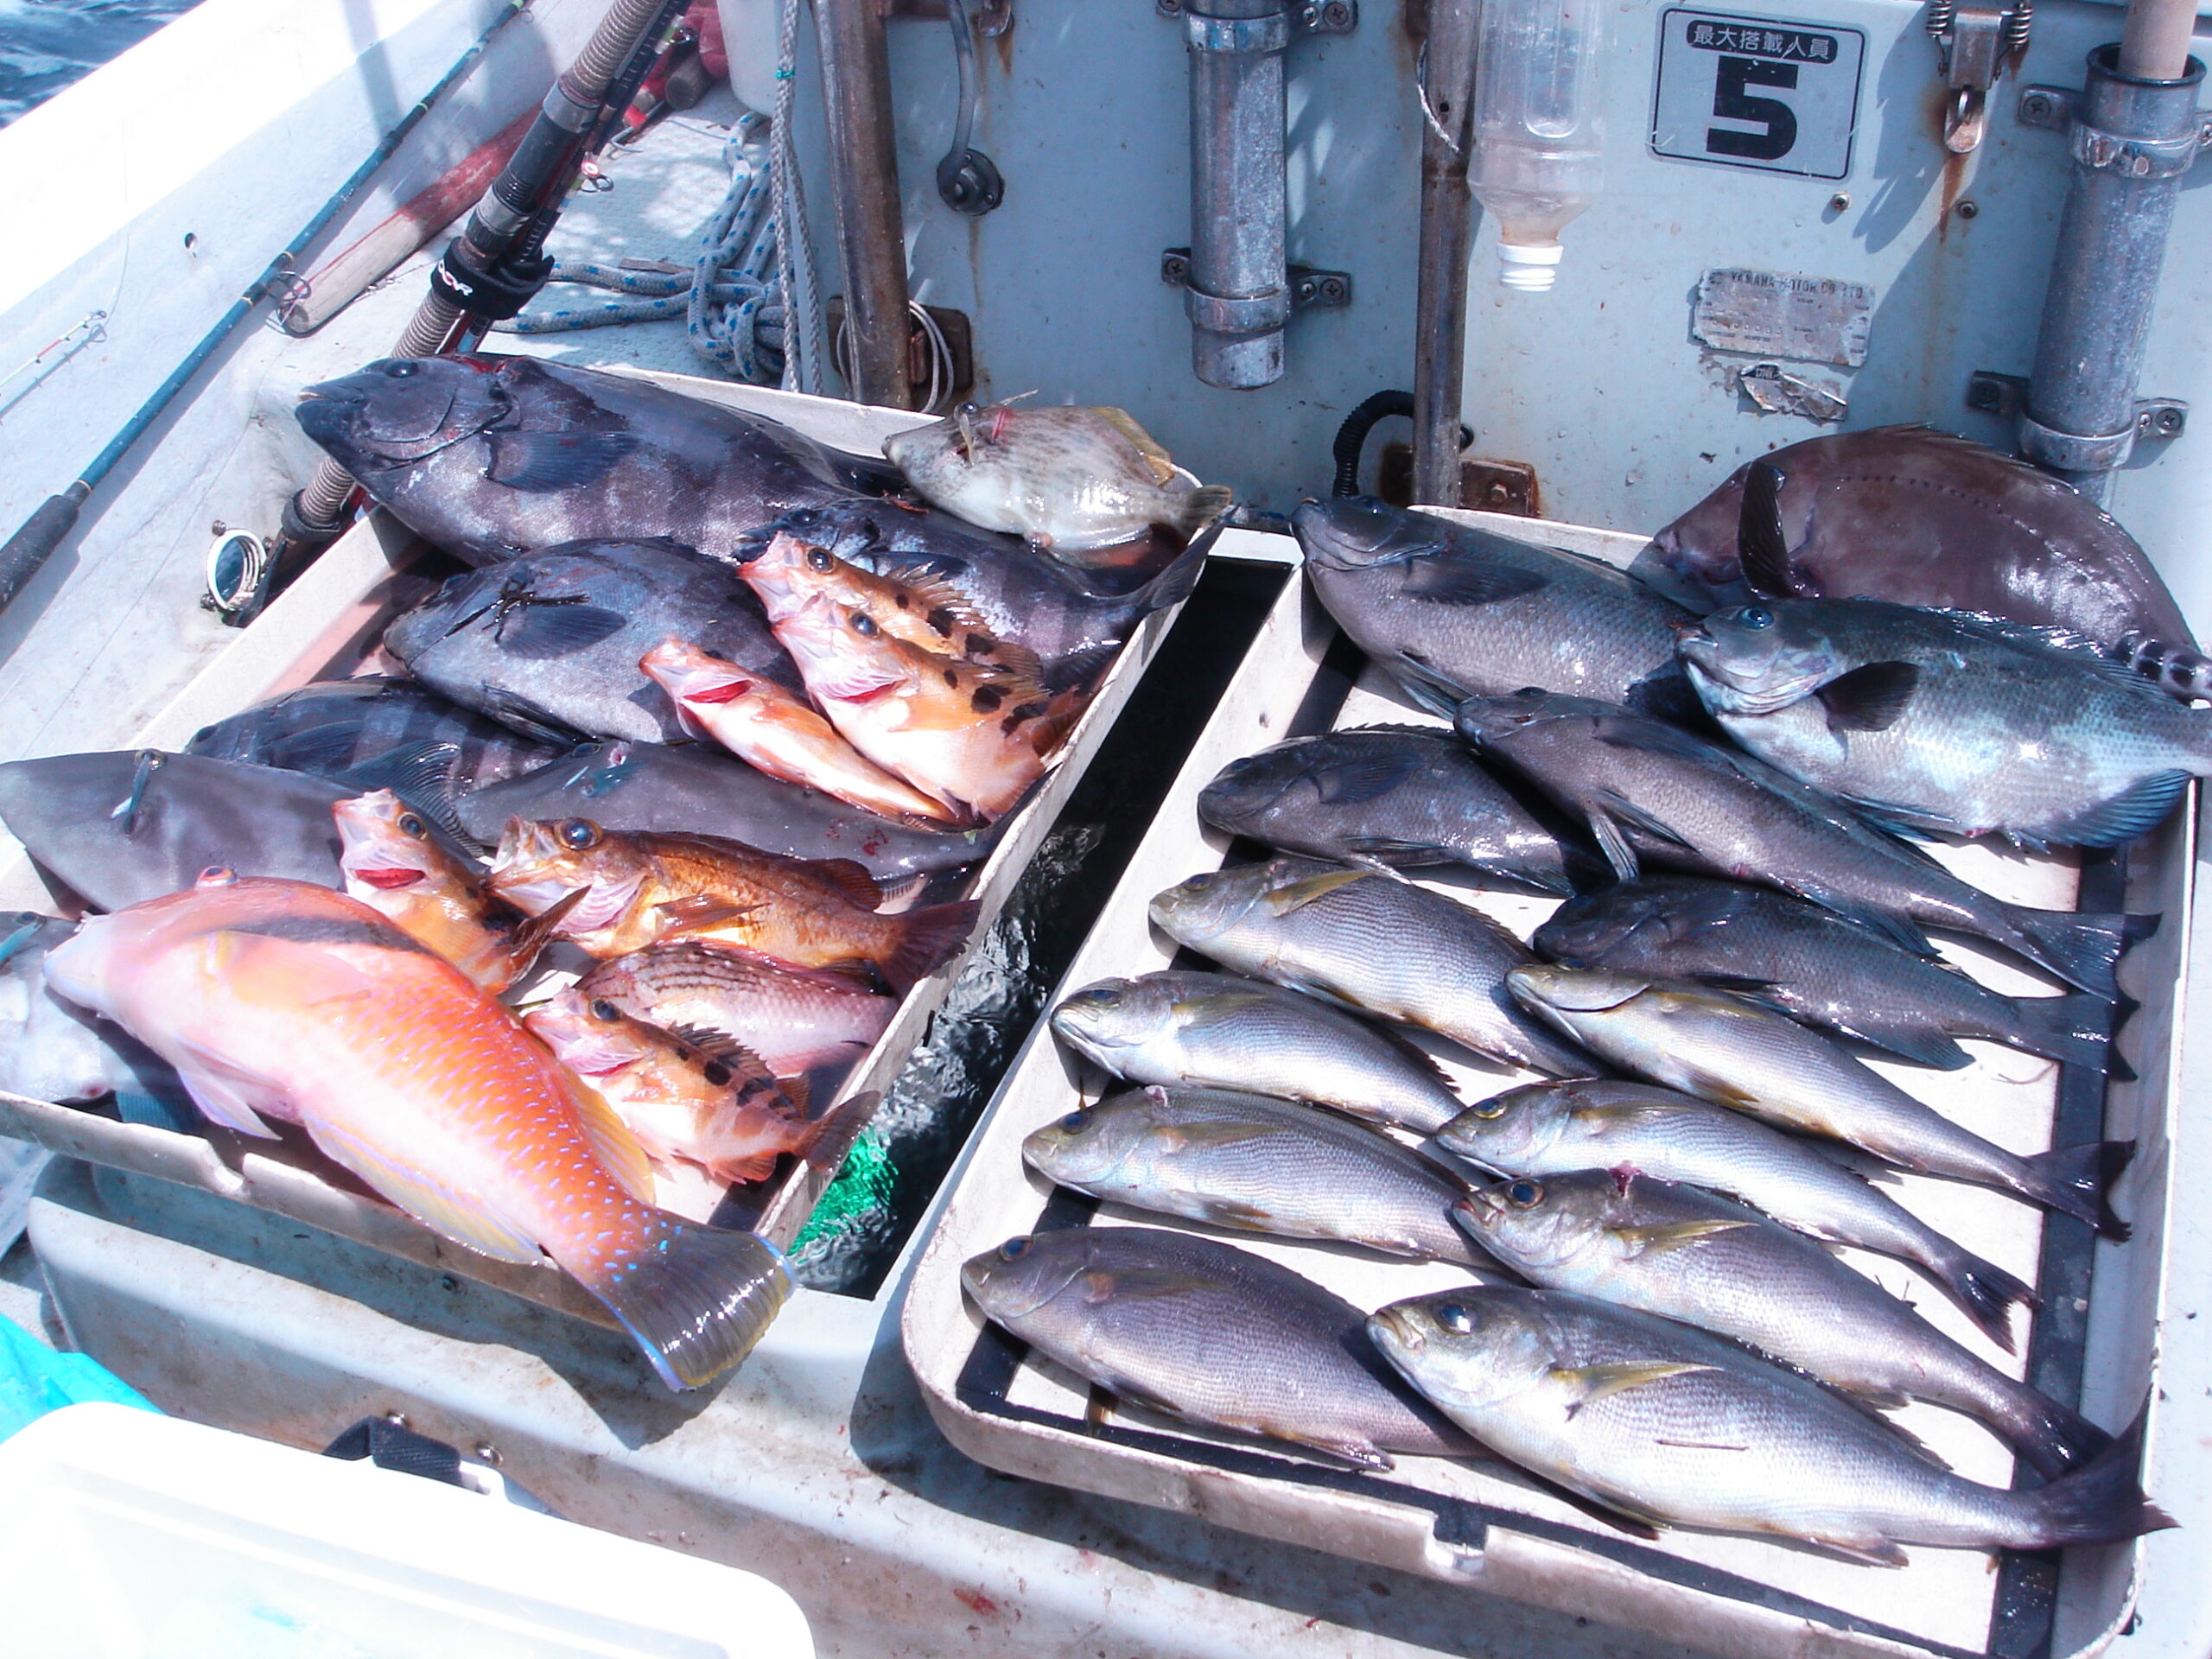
[1676, 1427]
[1921, 517]
[550, 643]
[1815, 966]
[129, 825]
[1386, 797]
[1073, 621]
[492, 456]
[688, 790]
[1208, 1334]
[1453, 612]
[1648, 789]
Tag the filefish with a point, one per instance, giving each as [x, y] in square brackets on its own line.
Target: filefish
[490, 457]
[1454, 612]
[1210, 1031]
[716, 1106]
[1208, 1334]
[1937, 721]
[1544, 1129]
[1737, 1054]
[1648, 789]
[973, 736]
[1817, 968]
[54, 1050]
[639, 886]
[1375, 944]
[779, 733]
[1386, 797]
[279, 1000]
[548, 643]
[393, 864]
[794, 1019]
[1681, 1253]
[1073, 481]
[128, 825]
[1072, 621]
[1921, 517]
[1257, 1165]
[625, 786]
[1675, 1427]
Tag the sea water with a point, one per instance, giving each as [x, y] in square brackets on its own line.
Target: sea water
[45, 45]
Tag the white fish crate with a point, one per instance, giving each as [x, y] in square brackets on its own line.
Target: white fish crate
[2115, 1325]
[322, 628]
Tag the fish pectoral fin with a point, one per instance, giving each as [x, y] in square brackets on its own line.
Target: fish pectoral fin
[1761, 546]
[1143, 1284]
[1717, 1089]
[463, 1218]
[617, 1148]
[533, 933]
[1157, 461]
[1870, 698]
[1671, 1235]
[1346, 783]
[701, 910]
[1231, 1212]
[1466, 581]
[1197, 1013]
[268, 969]
[537, 461]
[1867, 1552]
[227, 1096]
[851, 877]
[1282, 901]
[549, 631]
[1877, 1398]
[1591, 1383]
[1614, 844]
[1357, 1454]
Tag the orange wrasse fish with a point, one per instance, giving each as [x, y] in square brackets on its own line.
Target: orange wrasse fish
[779, 733]
[639, 886]
[277, 999]
[794, 1019]
[974, 735]
[394, 865]
[714, 1104]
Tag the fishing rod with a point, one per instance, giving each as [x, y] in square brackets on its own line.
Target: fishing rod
[26, 552]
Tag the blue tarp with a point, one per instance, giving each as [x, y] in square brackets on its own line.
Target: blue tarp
[34, 1380]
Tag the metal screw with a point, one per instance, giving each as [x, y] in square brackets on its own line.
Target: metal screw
[1838, 202]
[1309, 16]
[1983, 395]
[1337, 15]
[1170, 8]
[1496, 495]
[1968, 208]
[2036, 106]
[396, 1419]
[447, 1281]
[1333, 289]
[1175, 270]
[2170, 421]
[489, 1453]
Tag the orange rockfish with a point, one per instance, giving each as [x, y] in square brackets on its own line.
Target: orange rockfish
[909, 604]
[712, 1104]
[781, 734]
[639, 886]
[974, 735]
[393, 864]
[279, 999]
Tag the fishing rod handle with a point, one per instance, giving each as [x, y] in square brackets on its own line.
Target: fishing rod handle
[29, 548]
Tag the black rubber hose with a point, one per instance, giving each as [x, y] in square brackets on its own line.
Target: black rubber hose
[1351, 436]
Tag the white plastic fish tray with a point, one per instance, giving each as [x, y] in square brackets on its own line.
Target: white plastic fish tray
[320, 628]
[2115, 1322]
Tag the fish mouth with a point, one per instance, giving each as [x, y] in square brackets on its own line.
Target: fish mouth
[1393, 1327]
[1479, 1210]
[387, 879]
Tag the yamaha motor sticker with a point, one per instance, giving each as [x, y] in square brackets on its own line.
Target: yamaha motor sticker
[1765, 92]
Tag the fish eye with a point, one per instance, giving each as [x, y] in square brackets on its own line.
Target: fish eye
[603, 1009]
[1489, 1110]
[1076, 1121]
[401, 370]
[1755, 616]
[1454, 1319]
[25, 918]
[1522, 1195]
[411, 825]
[817, 558]
[1014, 1248]
[578, 833]
[864, 625]
[1099, 996]
[715, 1072]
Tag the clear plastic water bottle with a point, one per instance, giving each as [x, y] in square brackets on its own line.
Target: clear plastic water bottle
[1538, 133]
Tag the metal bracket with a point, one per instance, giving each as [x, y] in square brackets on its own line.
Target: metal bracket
[1308, 287]
[1306, 17]
[2007, 396]
[2050, 109]
[993, 17]
[1974, 46]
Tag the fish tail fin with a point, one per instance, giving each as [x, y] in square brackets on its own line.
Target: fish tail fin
[695, 1298]
[1174, 585]
[830, 1136]
[2078, 1181]
[1207, 501]
[2080, 949]
[926, 938]
[2069, 1029]
[1985, 1292]
[2101, 1503]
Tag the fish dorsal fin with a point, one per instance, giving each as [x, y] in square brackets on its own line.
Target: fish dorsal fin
[1672, 1235]
[1870, 698]
[1591, 1383]
[851, 878]
[1156, 458]
[463, 1216]
[1285, 901]
[612, 1140]
[1761, 546]
[1650, 736]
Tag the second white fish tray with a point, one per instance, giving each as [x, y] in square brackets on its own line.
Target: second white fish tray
[2116, 1323]
[320, 628]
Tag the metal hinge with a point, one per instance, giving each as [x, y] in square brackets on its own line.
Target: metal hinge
[1974, 46]
[2007, 396]
[1308, 287]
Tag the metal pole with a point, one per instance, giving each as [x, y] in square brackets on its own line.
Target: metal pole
[2154, 41]
[1447, 231]
[864, 177]
[1238, 297]
[2133, 139]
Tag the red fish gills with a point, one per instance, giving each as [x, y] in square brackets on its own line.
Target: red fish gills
[277, 999]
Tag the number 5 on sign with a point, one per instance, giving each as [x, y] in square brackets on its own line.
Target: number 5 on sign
[1772, 93]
